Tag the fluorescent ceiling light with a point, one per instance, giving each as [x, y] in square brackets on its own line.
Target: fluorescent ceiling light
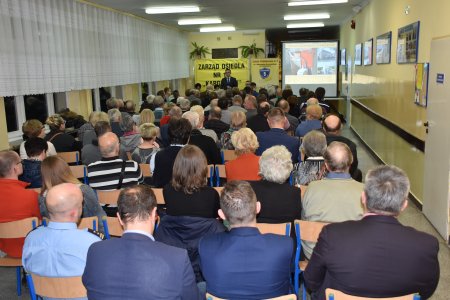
[217, 29]
[316, 2]
[171, 9]
[305, 25]
[307, 16]
[199, 21]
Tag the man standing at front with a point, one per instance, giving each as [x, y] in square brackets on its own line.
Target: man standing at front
[59, 249]
[376, 256]
[135, 266]
[243, 263]
[228, 81]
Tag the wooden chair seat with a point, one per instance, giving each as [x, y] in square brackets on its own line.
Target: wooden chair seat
[70, 157]
[159, 196]
[280, 228]
[56, 287]
[112, 227]
[10, 262]
[145, 168]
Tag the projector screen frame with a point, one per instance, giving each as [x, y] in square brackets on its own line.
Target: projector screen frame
[337, 57]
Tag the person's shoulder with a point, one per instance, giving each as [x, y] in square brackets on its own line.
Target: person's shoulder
[169, 251]
[88, 235]
[421, 238]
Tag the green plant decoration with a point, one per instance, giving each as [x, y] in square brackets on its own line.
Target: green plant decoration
[199, 51]
[252, 49]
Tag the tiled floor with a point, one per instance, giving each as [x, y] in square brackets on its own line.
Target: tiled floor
[411, 217]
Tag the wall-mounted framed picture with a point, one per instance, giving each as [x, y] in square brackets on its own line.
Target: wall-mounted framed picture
[408, 43]
[383, 47]
[343, 57]
[368, 50]
[358, 54]
[421, 84]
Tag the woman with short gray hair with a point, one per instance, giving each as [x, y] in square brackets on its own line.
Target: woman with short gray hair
[280, 202]
[312, 165]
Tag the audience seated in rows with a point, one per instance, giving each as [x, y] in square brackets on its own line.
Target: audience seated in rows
[214, 122]
[312, 122]
[201, 119]
[34, 128]
[62, 141]
[243, 263]
[376, 256]
[258, 122]
[56, 171]
[149, 146]
[131, 137]
[88, 128]
[17, 203]
[237, 104]
[312, 167]
[146, 116]
[246, 165]
[36, 150]
[59, 249]
[175, 112]
[280, 201]
[238, 121]
[250, 105]
[115, 118]
[226, 114]
[335, 198]
[293, 121]
[153, 270]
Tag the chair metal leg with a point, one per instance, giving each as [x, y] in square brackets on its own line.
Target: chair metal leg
[19, 280]
[31, 287]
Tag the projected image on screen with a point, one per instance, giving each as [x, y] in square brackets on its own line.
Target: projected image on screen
[310, 65]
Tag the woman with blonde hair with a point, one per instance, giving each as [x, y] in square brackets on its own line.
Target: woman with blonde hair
[246, 165]
[62, 141]
[238, 121]
[54, 171]
[188, 193]
[34, 128]
[149, 146]
[146, 116]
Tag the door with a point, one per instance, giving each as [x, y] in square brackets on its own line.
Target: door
[437, 146]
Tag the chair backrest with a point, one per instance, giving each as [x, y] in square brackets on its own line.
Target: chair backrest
[303, 190]
[129, 155]
[228, 155]
[79, 171]
[338, 295]
[70, 157]
[220, 173]
[210, 175]
[37, 190]
[56, 287]
[308, 230]
[159, 196]
[145, 168]
[285, 297]
[108, 197]
[218, 189]
[88, 222]
[280, 228]
[112, 227]
[18, 229]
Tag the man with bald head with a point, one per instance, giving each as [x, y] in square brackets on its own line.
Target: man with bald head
[112, 172]
[332, 127]
[336, 198]
[59, 249]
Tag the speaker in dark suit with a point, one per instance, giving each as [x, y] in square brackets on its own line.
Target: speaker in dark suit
[243, 263]
[135, 266]
[376, 256]
[228, 81]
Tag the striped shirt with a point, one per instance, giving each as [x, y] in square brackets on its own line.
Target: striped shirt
[105, 174]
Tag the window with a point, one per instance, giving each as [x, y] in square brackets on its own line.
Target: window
[11, 114]
[60, 101]
[36, 107]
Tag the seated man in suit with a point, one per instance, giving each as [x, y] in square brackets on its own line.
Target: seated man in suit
[376, 256]
[60, 248]
[228, 81]
[277, 136]
[243, 263]
[135, 266]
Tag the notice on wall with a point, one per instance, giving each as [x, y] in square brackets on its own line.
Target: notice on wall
[211, 71]
[265, 71]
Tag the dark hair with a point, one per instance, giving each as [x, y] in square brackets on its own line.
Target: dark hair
[238, 202]
[198, 85]
[160, 93]
[263, 107]
[303, 91]
[310, 94]
[136, 203]
[320, 93]
[286, 93]
[189, 170]
[276, 114]
[222, 103]
[35, 145]
[179, 131]
[261, 98]
[101, 128]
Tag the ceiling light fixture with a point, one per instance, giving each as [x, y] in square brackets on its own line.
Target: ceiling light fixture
[307, 16]
[316, 2]
[217, 29]
[171, 9]
[305, 25]
[199, 21]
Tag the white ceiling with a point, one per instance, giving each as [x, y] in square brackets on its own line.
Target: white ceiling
[243, 14]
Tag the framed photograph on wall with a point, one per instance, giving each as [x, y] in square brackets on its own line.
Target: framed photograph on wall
[368, 50]
[343, 57]
[421, 84]
[358, 55]
[408, 43]
[383, 48]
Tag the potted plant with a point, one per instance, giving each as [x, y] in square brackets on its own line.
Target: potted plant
[199, 51]
[252, 49]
